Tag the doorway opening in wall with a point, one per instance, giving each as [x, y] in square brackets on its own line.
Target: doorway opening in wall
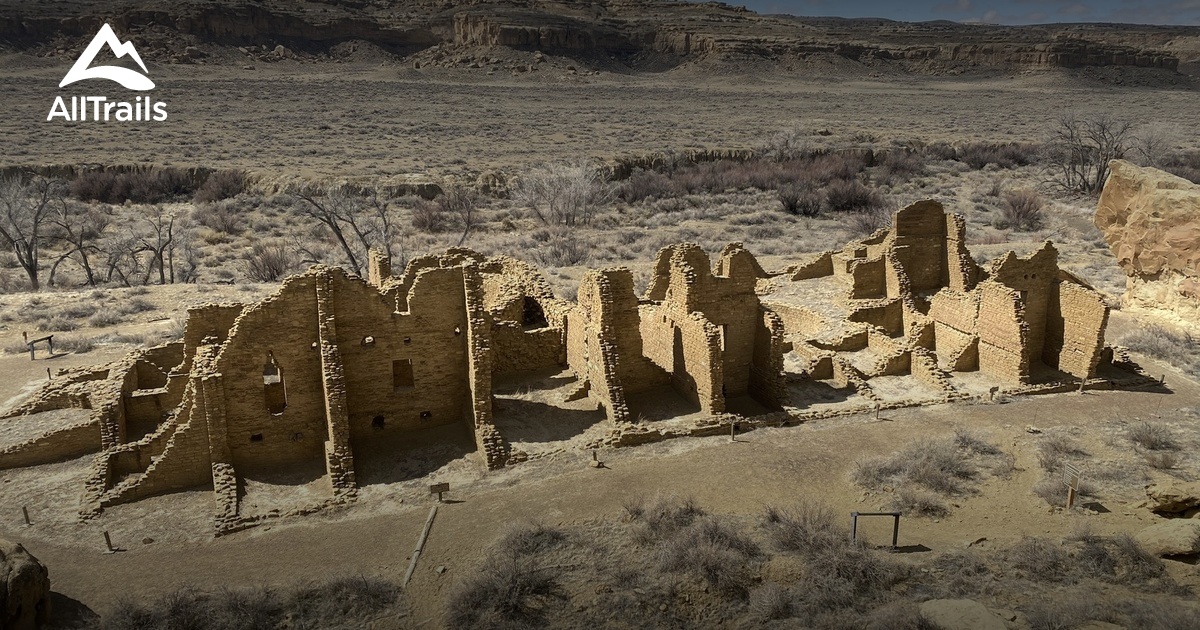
[274, 389]
[724, 335]
[402, 374]
[378, 423]
[532, 316]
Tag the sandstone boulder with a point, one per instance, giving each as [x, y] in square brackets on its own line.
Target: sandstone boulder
[961, 614]
[24, 589]
[1151, 221]
[1174, 498]
[1174, 537]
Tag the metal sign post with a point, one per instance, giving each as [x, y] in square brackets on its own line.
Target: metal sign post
[1071, 479]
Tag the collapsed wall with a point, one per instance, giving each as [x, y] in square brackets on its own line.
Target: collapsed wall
[1151, 221]
[913, 294]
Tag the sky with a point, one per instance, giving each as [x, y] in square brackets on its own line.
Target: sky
[1175, 12]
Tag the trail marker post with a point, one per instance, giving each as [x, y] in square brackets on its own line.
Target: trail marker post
[438, 489]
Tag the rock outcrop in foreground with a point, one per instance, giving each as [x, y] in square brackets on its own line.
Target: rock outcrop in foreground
[1151, 221]
[24, 589]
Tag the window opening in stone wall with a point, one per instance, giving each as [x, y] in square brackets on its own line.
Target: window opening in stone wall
[256, 437]
[274, 389]
[402, 374]
[378, 422]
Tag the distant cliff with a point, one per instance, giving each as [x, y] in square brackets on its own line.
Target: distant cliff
[613, 28]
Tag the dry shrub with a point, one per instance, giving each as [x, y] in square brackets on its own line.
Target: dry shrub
[662, 518]
[560, 247]
[151, 185]
[840, 573]
[761, 174]
[1041, 560]
[647, 185]
[800, 199]
[770, 602]
[1163, 460]
[1064, 612]
[335, 602]
[219, 217]
[269, 261]
[221, 185]
[851, 195]
[900, 166]
[1185, 165]
[511, 589]
[1179, 349]
[918, 502]
[1155, 437]
[939, 465]
[430, 217]
[1021, 210]
[1053, 449]
[713, 552]
[1005, 155]
[870, 220]
[562, 193]
[786, 145]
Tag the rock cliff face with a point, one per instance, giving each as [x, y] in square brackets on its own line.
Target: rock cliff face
[24, 589]
[611, 28]
[1151, 221]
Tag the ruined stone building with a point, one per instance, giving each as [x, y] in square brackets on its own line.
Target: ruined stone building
[335, 373]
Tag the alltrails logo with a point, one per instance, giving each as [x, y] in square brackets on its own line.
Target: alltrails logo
[99, 107]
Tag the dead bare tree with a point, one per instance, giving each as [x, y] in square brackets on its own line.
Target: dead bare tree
[78, 228]
[160, 233]
[563, 194]
[356, 221]
[1080, 148]
[25, 205]
[462, 203]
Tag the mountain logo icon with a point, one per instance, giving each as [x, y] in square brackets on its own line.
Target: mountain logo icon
[130, 79]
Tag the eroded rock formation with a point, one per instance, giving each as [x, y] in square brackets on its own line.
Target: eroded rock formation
[24, 589]
[1151, 221]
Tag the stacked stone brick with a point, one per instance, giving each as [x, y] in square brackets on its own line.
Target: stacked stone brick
[339, 372]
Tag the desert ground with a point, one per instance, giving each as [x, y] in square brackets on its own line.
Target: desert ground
[598, 558]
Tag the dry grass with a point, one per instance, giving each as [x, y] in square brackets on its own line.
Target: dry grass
[926, 471]
[335, 602]
[1021, 210]
[1179, 349]
[1154, 437]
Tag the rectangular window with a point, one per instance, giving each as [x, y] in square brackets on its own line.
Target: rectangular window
[402, 374]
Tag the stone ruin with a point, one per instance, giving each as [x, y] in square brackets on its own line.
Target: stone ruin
[335, 373]
[1151, 221]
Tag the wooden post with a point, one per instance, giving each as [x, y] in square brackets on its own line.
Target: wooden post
[108, 543]
[1070, 497]
[25, 513]
[1082, 383]
[412, 565]
[732, 431]
[48, 377]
